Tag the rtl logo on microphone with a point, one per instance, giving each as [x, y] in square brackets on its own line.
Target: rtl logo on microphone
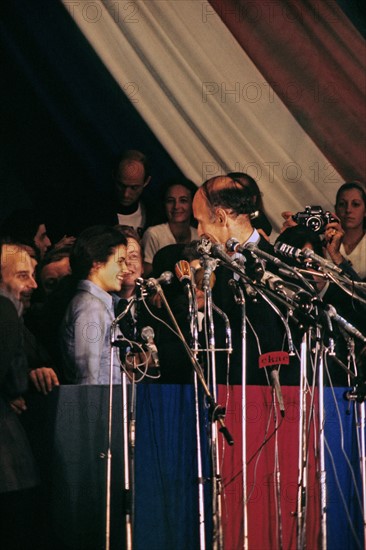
[273, 358]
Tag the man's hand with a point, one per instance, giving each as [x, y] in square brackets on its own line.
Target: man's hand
[289, 222]
[18, 405]
[44, 379]
[66, 240]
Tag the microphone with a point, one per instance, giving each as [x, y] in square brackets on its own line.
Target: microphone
[343, 323]
[253, 265]
[151, 283]
[275, 382]
[148, 334]
[218, 251]
[305, 254]
[203, 245]
[124, 312]
[289, 291]
[289, 251]
[198, 278]
[262, 254]
[234, 246]
[209, 265]
[229, 343]
[183, 272]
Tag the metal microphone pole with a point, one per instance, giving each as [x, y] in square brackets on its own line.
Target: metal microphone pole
[127, 471]
[302, 457]
[240, 300]
[193, 314]
[216, 486]
[359, 407]
[125, 425]
[321, 417]
[108, 454]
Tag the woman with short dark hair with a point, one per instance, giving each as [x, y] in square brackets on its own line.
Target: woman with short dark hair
[98, 261]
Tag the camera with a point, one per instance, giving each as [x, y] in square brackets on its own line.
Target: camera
[314, 218]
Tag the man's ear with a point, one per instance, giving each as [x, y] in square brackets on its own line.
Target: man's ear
[147, 181]
[221, 216]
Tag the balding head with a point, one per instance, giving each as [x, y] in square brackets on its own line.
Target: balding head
[222, 207]
[131, 177]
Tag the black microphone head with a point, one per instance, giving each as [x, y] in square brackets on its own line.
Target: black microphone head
[288, 250]
[232, 244]
[218, 251]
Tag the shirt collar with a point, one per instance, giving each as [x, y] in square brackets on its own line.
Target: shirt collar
[254, 237]
[94, 289]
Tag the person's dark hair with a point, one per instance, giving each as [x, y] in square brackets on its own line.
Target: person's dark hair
[94, 244]
[247, 181]
[299, 235]
[55, 255]
[228, 193]
[261, 220]
[351, 185]
[22, 226]
[184, 182]
[129, 155]
[129, 232]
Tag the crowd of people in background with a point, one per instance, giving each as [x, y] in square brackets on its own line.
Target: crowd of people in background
[59, 300]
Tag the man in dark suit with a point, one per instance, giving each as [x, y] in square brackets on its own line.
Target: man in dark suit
[18, 475]
[222, 208]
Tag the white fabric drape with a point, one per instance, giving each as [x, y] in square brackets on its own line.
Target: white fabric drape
[204, 99]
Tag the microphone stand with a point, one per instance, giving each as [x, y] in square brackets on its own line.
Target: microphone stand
[358, 396]
[217, 411]
[216, 486]
[193, 314]
[240, 300]
[321, 419]
[125, 423]
[302, 455]
[303, 464]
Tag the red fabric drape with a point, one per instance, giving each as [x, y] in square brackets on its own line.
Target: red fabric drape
[315, 60]
[264, 523]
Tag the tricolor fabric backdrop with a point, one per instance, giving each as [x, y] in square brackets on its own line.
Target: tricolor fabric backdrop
[275, 89]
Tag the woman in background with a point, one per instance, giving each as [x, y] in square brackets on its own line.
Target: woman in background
[346, 241]
[177, 196]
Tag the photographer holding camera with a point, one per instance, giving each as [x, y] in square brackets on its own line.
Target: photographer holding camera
[344, 236]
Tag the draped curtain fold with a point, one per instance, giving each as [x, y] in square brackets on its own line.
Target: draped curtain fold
[316, 61]
[205, 100]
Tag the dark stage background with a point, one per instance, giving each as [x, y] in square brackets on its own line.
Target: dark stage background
[64, 118]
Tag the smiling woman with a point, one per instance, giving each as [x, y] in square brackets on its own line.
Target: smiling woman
[347, 240]
[98, 260]
[177, 196]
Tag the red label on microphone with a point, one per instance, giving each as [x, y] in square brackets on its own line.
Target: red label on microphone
[274, 358]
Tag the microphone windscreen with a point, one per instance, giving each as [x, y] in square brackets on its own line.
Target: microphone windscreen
[182, 270]
[198, 278]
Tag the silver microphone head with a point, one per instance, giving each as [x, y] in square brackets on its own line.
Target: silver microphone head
[147, 334]
[164, 279]
[204, 245]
